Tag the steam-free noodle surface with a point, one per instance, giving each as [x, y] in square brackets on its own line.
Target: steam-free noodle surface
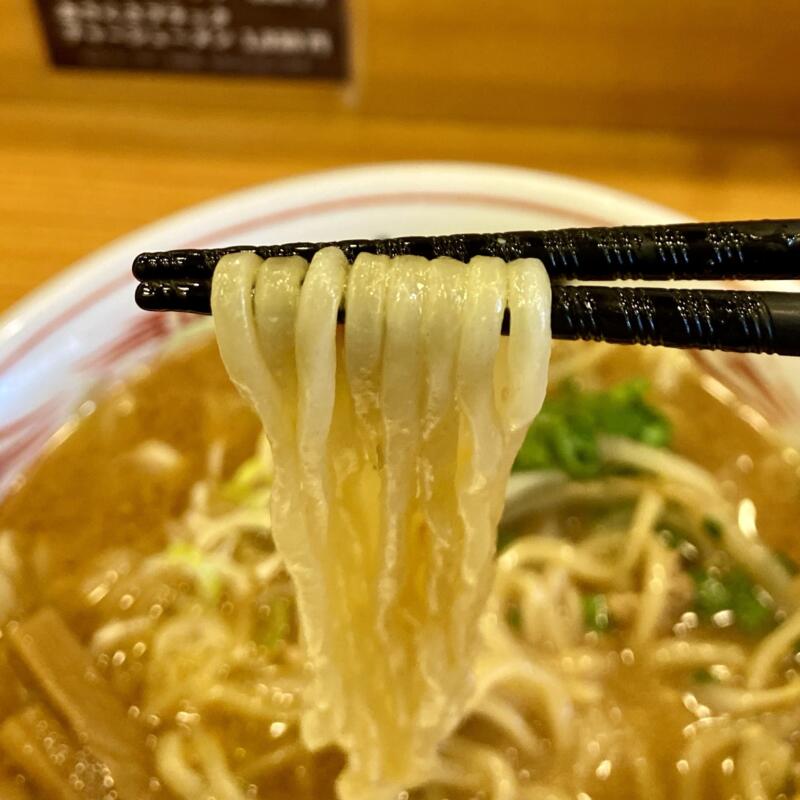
[392, 441]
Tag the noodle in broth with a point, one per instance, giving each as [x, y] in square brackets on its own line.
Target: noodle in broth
[391, 448]
[639, 638]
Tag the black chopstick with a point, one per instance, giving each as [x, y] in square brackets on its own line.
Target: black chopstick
[755, 250]
[744, 322]
[755, 322]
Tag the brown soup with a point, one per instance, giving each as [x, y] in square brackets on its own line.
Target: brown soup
[110, 605]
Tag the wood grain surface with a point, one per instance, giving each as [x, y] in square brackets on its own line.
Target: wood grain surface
[86, 157]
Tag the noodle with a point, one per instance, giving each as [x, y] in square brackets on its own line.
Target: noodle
[507, 718]
[679, 654]
[543, 709]
[695, 481]
[771, 650]
[174, 768]
[732, 700]
[390, 579]
[541, 550]
[648, 510]
[495, 769]
[660, 571]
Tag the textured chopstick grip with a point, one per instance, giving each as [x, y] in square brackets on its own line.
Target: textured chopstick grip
[193, 297]
[756, 250]
[745, 322]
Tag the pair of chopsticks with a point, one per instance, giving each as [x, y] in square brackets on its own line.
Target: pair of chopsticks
[741, 321]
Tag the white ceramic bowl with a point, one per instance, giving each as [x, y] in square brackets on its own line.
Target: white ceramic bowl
[83, 327]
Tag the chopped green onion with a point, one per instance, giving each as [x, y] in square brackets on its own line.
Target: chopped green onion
[514, 617]
[505, 536]
[671, 536]
[732, 590]
[241, 488]
[713, 528]
[277, 625]
[789, 564]
[596, 616]
[206, 575]
[703, 676]
[565, 434]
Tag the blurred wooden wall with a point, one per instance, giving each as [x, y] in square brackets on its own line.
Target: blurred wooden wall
[698, 64]
[705, 65]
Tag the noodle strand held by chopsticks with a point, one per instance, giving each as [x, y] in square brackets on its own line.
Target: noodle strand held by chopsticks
[393, 440]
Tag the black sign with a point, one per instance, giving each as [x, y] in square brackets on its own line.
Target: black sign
[292, 38]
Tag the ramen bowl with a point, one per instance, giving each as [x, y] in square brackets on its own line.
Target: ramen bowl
[83, 328]
[139, 531]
